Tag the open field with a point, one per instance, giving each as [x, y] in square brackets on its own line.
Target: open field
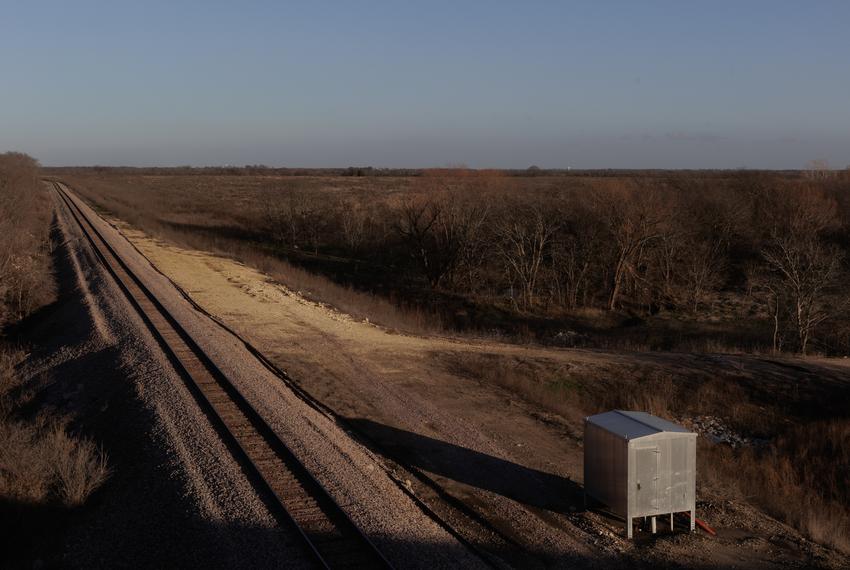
[432, 401]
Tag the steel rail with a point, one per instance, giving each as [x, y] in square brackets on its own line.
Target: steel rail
[295, 497]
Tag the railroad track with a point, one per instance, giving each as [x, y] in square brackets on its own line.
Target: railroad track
[295, 497]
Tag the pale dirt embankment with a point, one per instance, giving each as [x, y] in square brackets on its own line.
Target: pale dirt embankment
[516, 466]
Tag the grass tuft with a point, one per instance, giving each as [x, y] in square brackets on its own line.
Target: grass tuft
[44, 464]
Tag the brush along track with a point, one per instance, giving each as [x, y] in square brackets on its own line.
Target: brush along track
[295, 496]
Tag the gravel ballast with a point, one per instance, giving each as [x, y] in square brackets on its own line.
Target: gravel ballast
[221, 496]
[176, 497]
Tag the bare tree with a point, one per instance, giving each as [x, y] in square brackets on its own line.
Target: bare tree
[703, 268]
[295, 218]
[524, 235]
[669, 254]
[472, 258]
[353, 219]
[279, 215]
[634, 218]
[576, 253]
[803, 262]
[439, 230]
[710, 219]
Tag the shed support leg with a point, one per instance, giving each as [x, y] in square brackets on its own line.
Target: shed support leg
[693, 518]
[671, 522]
[629, 528]
[653, 524]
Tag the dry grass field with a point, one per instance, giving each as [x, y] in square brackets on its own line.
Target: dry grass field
[701, 287]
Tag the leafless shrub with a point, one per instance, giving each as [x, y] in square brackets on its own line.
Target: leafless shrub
[40, 462]
[80, 467]
[25, 471]
[818, 168]
[524, 238]
[703, 270]
[296, 217]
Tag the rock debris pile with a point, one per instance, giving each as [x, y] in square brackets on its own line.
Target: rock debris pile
[717, 431]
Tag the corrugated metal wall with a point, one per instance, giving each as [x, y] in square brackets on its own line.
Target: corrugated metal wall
[663, 479]
[606, 468]
[647, 476]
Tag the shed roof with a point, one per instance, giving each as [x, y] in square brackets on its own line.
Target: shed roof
[632, 425]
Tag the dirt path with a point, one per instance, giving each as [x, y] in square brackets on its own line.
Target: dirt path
[517, 468]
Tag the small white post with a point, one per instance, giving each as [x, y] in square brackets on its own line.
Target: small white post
[671, 522]
[693, 519]
[629, 527]
[653, 524]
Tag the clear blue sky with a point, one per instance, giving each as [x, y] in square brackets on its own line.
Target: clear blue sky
[642, 84]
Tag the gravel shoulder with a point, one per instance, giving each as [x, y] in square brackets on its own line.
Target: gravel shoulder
[175, 497]
[351, 473]
[458, 438]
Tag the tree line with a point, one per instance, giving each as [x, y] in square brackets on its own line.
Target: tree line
[641, 245]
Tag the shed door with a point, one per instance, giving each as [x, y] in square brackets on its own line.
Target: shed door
[646, 470]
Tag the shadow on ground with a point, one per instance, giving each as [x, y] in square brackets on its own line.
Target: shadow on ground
[529, 486]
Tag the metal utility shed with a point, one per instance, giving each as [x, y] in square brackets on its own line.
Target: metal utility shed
[640, 465]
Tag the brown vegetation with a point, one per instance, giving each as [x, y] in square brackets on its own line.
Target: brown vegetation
[24, 245]
[700, 260]
[801, 478]
[40, 463]
[42, 466]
